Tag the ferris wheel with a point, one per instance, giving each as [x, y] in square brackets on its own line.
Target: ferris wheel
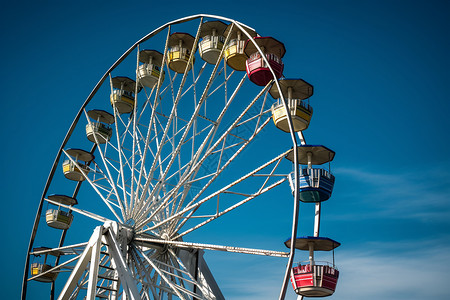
[171, 139]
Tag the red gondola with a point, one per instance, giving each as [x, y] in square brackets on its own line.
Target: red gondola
[314, 278]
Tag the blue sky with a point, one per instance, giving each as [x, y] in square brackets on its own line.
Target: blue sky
[380, 70]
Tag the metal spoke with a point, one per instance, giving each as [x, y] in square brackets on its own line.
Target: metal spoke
[93, 185]
[109, 177]
[189, 245]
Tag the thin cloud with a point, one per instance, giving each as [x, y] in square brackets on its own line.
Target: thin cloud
[423, 193]
[403, 270]
[409, 269]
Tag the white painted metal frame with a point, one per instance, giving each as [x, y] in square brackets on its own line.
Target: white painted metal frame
[146, 174]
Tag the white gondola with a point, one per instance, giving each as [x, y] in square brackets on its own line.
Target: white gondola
[99, 131]
[71, 170]
[234, 50]
[212, 41]
[150, 69]
[314, 278]
[40, 270]
[180, 46]
[122, 96]
[58, 218]
[295, 92]
[316, 184]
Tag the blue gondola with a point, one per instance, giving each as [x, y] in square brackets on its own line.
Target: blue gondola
[316, 184]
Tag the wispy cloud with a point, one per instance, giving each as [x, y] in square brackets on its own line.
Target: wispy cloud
[403, 270]
[377, 270]
[421, 194]
[248, 277]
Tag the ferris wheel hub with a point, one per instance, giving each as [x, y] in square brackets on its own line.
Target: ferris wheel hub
[124, 234]
[130, 222]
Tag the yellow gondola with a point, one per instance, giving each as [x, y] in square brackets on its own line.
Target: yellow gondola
[70, 168]
[41, 270]
[295, 92]
[234, 50]
[180, 47]
[122, 96]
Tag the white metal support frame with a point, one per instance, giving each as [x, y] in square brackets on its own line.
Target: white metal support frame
[175, 164]
[117, 256]
[93, 267]
[91, 254]
[81, 265]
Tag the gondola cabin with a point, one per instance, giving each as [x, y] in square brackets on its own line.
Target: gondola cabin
[295, 91]
[212, 41]
[258, 70]
[41, 270]
[123, 94]
[150, 70]
[313, 278]
[58, 218]
[99, 130]
[76, 167]
[180, 47]
[316, 184]
[234, 50]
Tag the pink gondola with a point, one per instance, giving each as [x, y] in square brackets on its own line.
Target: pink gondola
[257, 69]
